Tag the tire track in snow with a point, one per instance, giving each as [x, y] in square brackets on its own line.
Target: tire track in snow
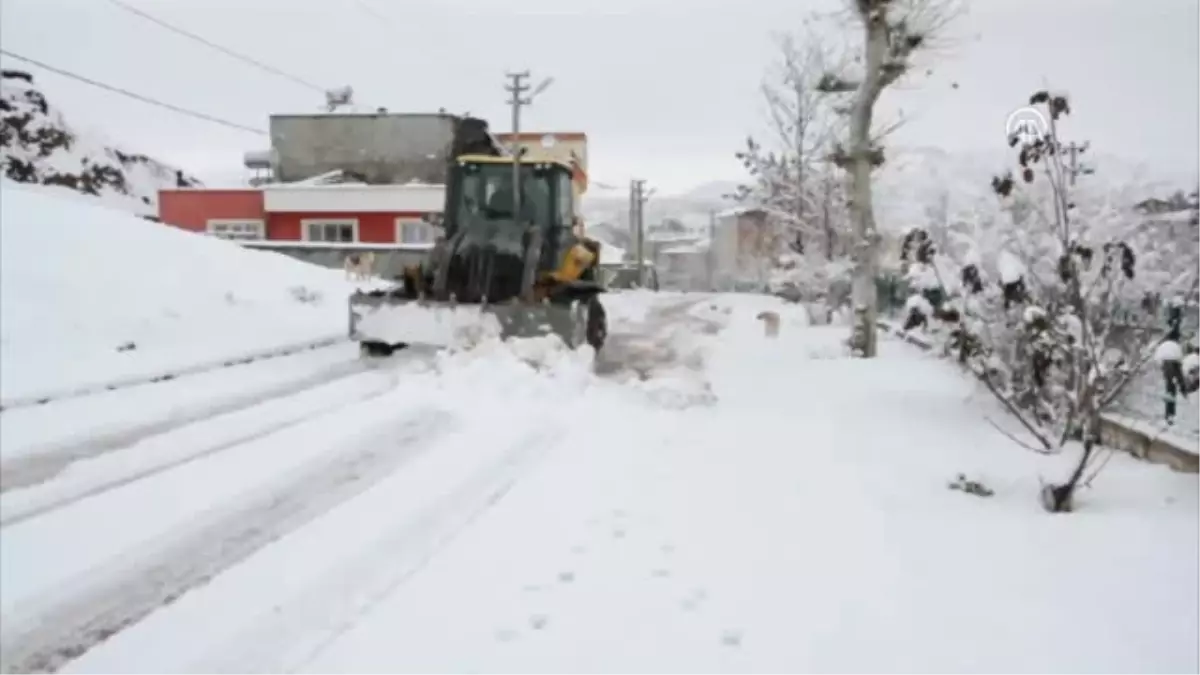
[150, 576]
[165, 374]
[296, 631]
[48, 461]
[21, 505]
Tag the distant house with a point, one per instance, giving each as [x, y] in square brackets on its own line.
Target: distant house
[743, 247]
[331, 184]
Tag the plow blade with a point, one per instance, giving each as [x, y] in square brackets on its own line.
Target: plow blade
[384, 323]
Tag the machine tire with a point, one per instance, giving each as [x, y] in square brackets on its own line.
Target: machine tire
[377, 350]
[596, 331]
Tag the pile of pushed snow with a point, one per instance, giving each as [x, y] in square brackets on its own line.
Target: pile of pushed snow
[37, 145]
[91, 295]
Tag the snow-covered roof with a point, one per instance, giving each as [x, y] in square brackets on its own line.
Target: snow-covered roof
[1169, 217]
[664, 236]
[737, 211]
[335, 177]
[700, 247]
[610, 253]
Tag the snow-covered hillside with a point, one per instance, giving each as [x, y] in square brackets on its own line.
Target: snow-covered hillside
[89, 293]
[38, 145]
[917, 182]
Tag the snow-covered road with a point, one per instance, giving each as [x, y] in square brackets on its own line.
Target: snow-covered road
[699, 499]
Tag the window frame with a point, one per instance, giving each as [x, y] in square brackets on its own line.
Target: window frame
[428, 234]
[220, 227]
[307, 223]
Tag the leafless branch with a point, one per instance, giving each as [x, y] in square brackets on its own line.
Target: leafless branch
[1012, 437]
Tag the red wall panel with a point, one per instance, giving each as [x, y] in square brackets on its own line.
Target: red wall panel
[191, 209]
[373, 228]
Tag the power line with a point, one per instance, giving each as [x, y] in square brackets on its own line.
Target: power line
[367, 9]
[138, 97]
[224, 50]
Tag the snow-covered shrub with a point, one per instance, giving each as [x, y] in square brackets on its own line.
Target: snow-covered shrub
[1070, 322]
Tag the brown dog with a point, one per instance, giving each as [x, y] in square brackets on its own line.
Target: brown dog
[770, 323]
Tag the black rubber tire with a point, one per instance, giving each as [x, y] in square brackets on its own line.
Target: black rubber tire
[377, 350]
[597, 323]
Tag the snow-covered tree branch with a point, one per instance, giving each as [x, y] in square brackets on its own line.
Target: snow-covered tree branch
[1059, 304]
[790, 179]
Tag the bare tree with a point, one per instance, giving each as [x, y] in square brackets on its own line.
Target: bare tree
[892, 32]
[787, 171]
[1068, 327]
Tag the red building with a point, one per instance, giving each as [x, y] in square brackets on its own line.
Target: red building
[308, 213]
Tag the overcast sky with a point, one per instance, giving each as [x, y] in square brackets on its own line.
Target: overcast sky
[665, 89]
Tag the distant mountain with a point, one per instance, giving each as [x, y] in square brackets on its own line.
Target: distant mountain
[913, 182]
[37, 145]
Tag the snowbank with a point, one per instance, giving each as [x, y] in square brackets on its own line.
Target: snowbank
[38, 146]
[90, 295]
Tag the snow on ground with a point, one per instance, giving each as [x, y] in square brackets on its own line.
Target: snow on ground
[518, 507]
[78, 282]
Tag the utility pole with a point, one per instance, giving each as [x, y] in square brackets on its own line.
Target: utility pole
[712, 250]
[637, 200]
[517, 87]
[1074, 168]
[633, 228]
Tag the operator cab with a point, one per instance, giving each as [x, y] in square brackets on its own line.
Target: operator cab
[489, 250]
[480, 190]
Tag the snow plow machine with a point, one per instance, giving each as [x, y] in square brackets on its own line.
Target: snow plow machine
[510, 262]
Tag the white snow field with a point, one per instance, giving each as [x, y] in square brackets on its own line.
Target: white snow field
[698, 498]
[81, 282]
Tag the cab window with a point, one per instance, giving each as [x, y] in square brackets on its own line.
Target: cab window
[565, 200]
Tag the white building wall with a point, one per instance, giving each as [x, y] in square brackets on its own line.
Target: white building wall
[353, 198]
[725, 252]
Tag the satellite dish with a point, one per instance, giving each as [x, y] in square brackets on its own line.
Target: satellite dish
[548, 141]
[339, 97]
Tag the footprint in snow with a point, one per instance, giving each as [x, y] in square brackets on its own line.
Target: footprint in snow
[732, 638]
[618, 533]
[566, 577]
[661, 573]
[694, 600]
[506, 635]
[538, 621]
[578, 549]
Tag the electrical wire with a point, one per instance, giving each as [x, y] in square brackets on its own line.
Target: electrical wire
[224, 50]
[135, 96]
[367, 9]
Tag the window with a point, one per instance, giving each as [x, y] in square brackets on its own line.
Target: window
[565, 200]
[243, 230]
[414, 232]
[335, 231]
[487, 191]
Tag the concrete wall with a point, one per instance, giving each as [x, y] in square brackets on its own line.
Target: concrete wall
[385, 148]
[389, 262]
